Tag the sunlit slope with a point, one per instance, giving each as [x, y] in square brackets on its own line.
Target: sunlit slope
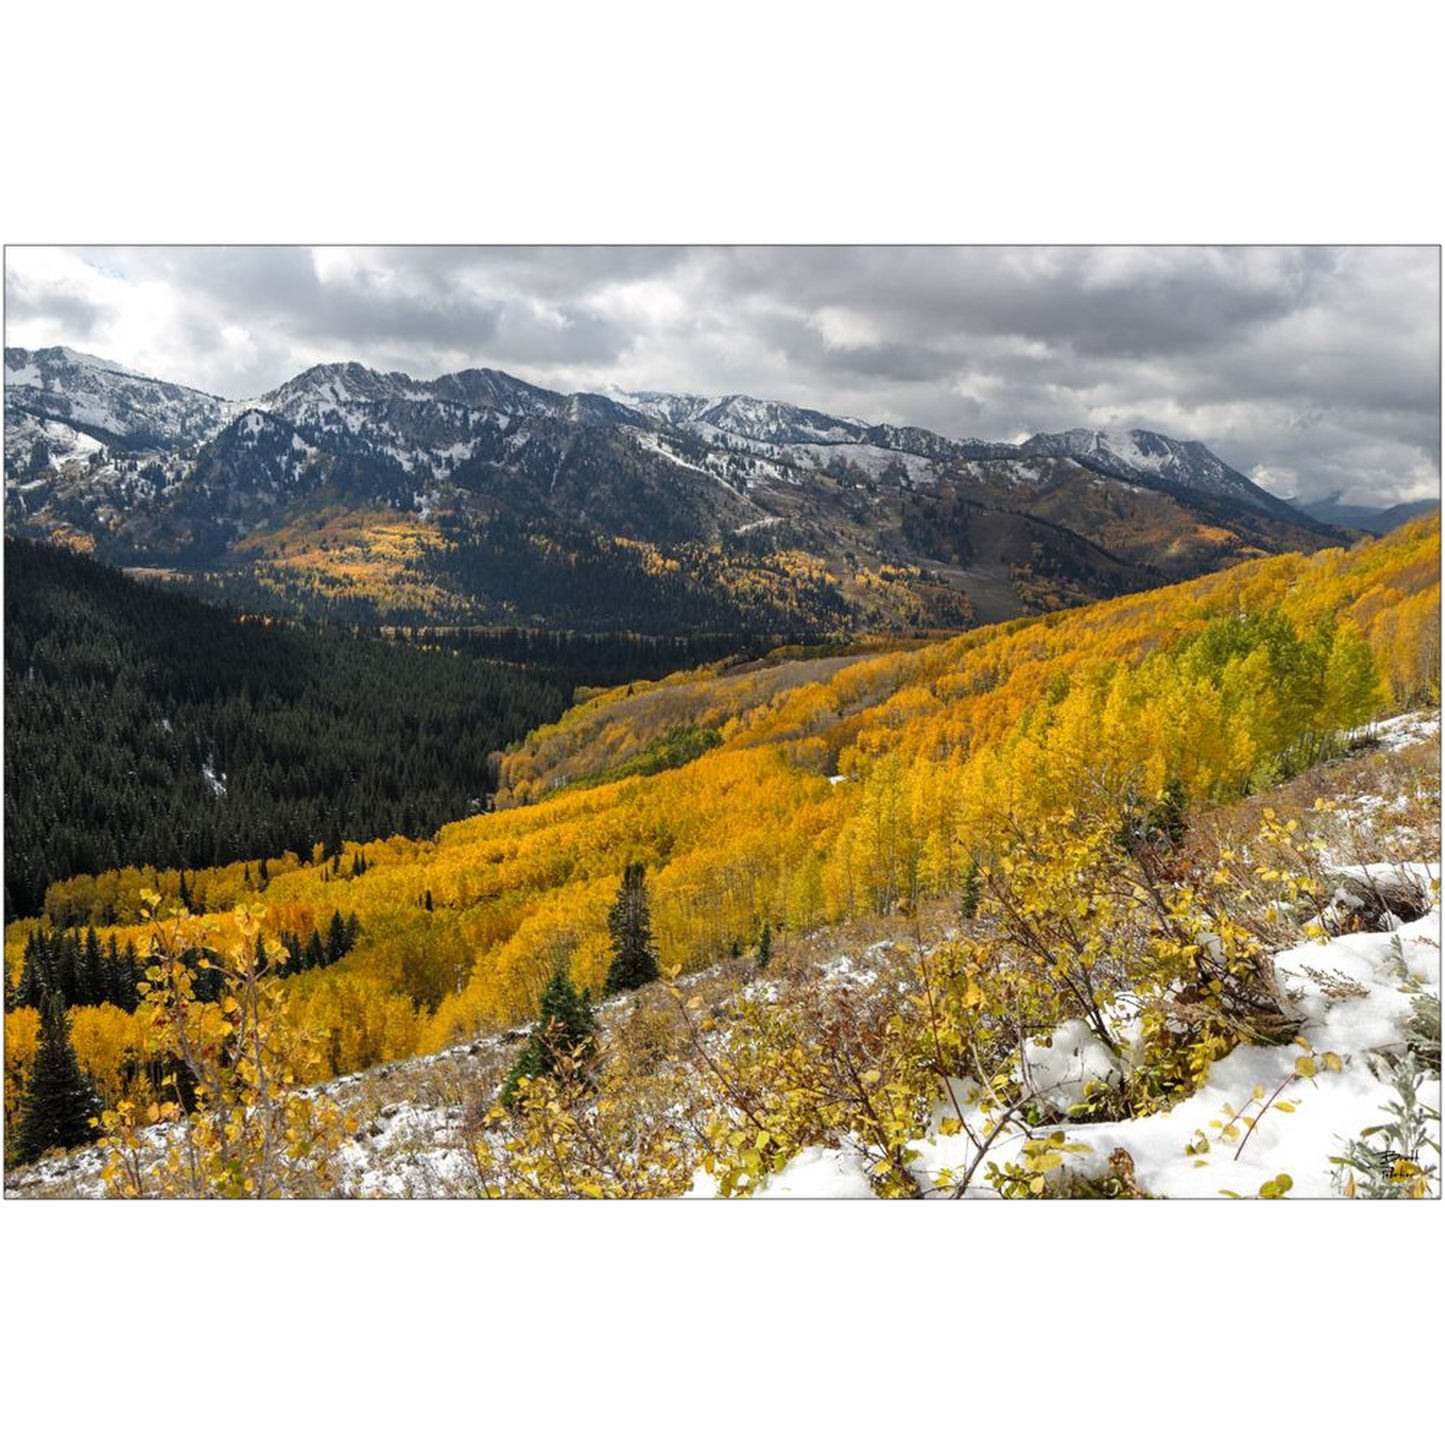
[852, 789]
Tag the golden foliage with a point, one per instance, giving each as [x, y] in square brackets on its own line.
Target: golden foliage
[249, 1131]
[843, 786]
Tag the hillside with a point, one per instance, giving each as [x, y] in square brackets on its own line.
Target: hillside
[847, 789]
[425, 1127]
[479, 498]
[144, 727]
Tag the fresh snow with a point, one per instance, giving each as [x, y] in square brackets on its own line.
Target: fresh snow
[1402, 731]
[1061, 1071]
[819, 1173]
[214, 780]
[1329, 1109]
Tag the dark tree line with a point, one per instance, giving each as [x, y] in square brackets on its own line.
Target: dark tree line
[77, 970]
[300, 954]
[145, 727]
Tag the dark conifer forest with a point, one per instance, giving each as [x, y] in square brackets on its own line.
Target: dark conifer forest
[143, 726]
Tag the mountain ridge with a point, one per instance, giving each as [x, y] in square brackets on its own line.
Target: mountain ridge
[740, 414]
[897, 526]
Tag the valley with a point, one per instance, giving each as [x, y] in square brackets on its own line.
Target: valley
[415, 692]
[784, 796]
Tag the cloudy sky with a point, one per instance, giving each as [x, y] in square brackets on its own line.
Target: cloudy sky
[1315, 370]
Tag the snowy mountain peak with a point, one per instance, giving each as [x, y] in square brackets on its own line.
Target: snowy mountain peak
[393, 420]
[106, 401]
[35, 368]
[1147, 456]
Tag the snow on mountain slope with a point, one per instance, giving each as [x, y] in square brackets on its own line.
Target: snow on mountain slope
[706, 463]
[35, 444]
[1148, 456]
[773, 427]
[113, 403]
[106, 401]
[351, 393]
[750, 422]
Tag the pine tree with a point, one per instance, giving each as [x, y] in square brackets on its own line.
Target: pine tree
[59, 1100]
[971, 895]
[336, 940]
[91, 983]
[315, 951]
[634, 959]
[765, 945]
[564, 1024]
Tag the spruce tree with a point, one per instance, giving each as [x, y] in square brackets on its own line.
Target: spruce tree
[564, 1023]
[127, 995]
[634, 959]
[62, 974]
[35, 972]
[765, 945]
[971, 895]
[336, 940]
[59, 1100]
[91, 983]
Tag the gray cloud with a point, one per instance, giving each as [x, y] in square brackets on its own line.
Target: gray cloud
[1315, 369]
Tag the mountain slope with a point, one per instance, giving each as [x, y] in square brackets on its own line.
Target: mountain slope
[108, 402]
[853, 796]
[505, 488]
[1376, 520]
[1186, 468]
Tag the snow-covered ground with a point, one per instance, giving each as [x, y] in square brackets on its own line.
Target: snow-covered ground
[1261, 1112]
[1400, 732]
